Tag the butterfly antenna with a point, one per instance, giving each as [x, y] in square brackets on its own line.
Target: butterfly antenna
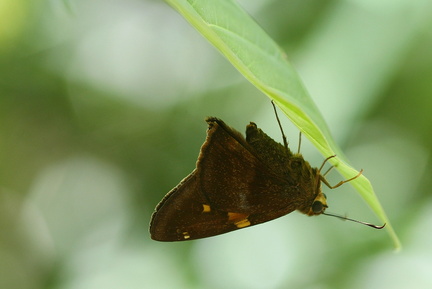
[352, 220]
[280, 126]
[299, 143]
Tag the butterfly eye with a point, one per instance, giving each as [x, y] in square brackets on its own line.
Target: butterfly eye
[317, 207]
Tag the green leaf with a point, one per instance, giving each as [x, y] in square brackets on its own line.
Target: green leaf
[243, 42]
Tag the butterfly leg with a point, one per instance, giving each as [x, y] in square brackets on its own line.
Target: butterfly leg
[323, 179]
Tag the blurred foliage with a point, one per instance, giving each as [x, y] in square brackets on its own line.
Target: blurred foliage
[101, 113]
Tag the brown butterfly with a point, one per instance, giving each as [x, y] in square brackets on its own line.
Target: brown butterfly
[239, 183]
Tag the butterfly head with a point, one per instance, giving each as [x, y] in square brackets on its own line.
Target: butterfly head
[318, 205]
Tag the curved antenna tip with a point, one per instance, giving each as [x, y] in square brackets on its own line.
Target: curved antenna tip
[377, 227]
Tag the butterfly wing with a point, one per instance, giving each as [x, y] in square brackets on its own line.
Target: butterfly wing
[230, 189]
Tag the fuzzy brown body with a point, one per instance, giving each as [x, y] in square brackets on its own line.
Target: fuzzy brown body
[237, 183]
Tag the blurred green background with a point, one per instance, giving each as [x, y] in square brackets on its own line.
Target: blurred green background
[102, 107]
